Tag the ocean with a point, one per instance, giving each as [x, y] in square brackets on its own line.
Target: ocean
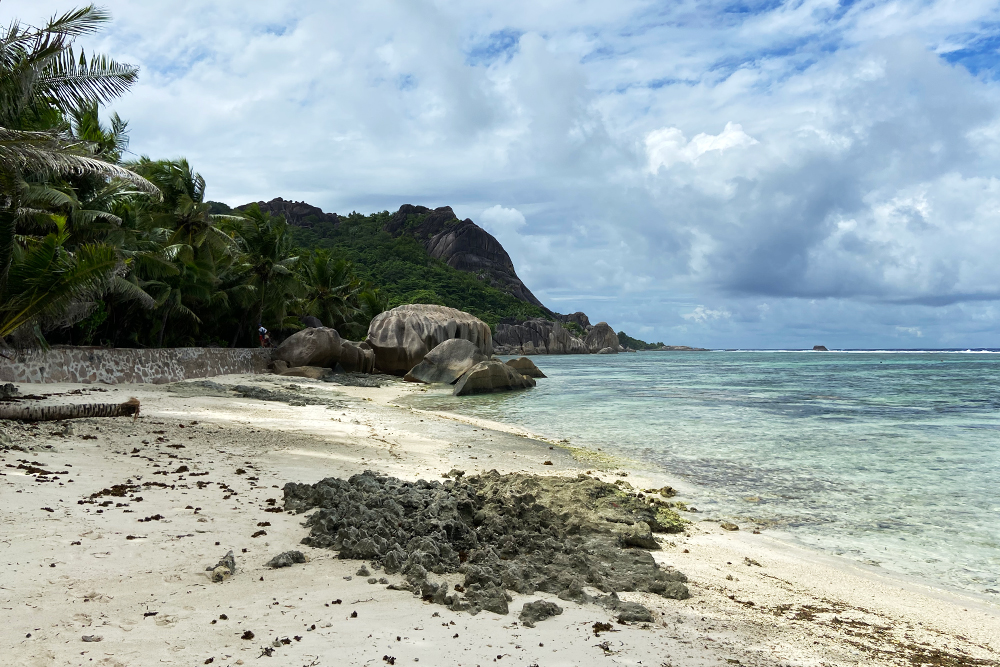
[889, 458]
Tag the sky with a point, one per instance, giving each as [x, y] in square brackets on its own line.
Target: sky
[734, 173]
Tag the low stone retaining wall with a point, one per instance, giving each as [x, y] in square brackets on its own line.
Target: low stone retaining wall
[126, 366]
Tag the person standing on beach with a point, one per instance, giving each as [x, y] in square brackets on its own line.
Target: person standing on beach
[265, 337]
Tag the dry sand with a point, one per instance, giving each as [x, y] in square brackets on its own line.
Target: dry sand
[209, 467]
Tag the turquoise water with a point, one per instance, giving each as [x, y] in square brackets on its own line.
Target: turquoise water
[888, 458]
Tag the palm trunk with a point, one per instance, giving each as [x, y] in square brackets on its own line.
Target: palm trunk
[260, 310]
[239, 329]
[163, 327]
[35, 413]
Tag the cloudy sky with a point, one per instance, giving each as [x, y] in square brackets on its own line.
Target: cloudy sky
[733, 173]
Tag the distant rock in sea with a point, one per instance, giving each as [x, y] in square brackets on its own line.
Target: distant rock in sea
[820, 348]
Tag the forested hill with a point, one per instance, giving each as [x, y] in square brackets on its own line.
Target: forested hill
[417, 255]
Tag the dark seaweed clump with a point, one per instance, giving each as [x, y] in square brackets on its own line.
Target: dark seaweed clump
[503, 532]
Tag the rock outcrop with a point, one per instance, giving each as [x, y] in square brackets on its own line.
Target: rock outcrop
[577, 318]
[602, 336]
[526, 367]
[310, 347]
[490, 376]
[447, 362]
[296, 213]
[536, 336]
[461, 244]
[400, 338]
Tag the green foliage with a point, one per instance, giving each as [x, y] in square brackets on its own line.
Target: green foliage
[55, 159]
[627, 341]
[405, 272]
[131, 254]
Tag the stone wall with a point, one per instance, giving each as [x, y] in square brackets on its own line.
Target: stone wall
[126, 366]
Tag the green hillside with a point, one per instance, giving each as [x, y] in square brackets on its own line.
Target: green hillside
[403, 270]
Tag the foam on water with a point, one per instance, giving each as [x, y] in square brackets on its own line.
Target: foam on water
[882, 457]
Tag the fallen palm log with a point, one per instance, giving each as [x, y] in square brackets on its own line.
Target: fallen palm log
[38, 413]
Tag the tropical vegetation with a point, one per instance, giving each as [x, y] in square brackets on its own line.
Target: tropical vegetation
[634, 343]
[96, 248]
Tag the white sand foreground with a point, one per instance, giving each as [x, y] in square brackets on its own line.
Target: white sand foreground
[210, 466]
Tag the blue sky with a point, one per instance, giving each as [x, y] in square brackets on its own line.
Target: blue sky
[725, 174]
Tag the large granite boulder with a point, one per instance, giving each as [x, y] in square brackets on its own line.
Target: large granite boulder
[402, 337]
[447, 362]
[536, 336]
[356, 357]
[525, 366]
[315, 346]
[489, 376]
[600, 337]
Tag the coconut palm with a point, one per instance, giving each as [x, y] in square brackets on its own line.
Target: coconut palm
[268, 261]
[331, 289]
[42, 81]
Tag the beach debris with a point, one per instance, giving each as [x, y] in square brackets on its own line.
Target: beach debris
[362, 572]
[35, 413]
[518, 532]
[727, 525]
[224, 569]
[600, 627]
[539, 610]
[248, 635]
[92, 638]
[286, 559]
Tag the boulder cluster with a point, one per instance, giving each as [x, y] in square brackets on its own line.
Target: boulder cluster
[538, 336]
[515, 532]
[423, 343]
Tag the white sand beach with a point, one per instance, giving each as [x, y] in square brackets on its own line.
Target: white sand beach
[209, 471]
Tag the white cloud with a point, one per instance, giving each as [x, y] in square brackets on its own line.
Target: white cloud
[667, 146]
[498, 219]
[701, 315]
[840, 167]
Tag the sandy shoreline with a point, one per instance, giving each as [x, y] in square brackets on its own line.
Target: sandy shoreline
[94, 569]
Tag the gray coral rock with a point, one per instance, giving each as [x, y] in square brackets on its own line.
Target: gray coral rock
[224, 569]
[515, 532]
[286, 559]
[539, 610]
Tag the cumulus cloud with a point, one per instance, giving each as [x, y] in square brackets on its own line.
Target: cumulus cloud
[834, 161]
[701, 314]
[667, 146]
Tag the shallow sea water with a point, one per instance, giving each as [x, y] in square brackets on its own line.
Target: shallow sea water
[888, 458]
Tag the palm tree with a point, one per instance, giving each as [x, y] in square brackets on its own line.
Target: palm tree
[331, 289]
[41, 81]
[268, 261]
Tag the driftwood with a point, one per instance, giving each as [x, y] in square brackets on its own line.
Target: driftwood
[38, 413]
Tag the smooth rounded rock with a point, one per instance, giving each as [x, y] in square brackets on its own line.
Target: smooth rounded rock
[447, 362]
[491, 376]
[400, 338]
[310, 347]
